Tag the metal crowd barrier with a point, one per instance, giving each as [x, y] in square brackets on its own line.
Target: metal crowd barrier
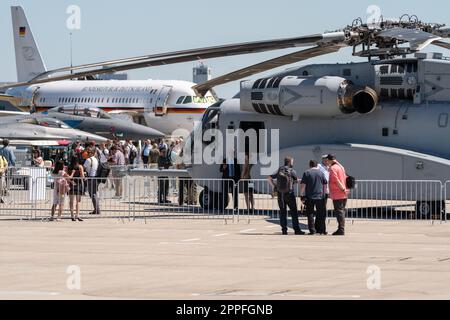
[17, 197]
[397, 200]
[135, 197]
[257, 200]
[170, 197]
[447, 200]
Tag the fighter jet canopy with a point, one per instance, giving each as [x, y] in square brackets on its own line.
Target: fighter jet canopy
[45, 122]
[81, 111]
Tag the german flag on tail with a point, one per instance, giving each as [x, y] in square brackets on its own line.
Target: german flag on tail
[22, 31]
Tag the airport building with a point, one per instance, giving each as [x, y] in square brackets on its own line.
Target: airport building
[113, 76]
[201, 73]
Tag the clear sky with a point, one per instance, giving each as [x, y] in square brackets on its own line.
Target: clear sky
[118, 29]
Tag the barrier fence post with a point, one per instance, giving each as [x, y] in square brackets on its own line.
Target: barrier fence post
[446, 199]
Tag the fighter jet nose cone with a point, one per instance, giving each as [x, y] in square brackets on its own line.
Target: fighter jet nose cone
[138, 132]
[154, 133]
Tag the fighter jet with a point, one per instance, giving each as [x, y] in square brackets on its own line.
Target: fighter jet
[38, 127]
[96, 121]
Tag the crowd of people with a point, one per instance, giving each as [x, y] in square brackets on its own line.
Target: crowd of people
[90, 165]
[84, 167]
[317, 185]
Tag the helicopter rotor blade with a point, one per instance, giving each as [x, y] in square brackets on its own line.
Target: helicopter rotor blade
[416, 38]
[203, 88]
[183, 56]
[442, 44]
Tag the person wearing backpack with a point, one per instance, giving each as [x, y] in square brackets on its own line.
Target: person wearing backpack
[91, 166]
[285, 178]
[130, 152]
[338, 191]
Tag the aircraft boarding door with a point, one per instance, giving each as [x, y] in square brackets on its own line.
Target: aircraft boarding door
[34, 98]
[161, 101]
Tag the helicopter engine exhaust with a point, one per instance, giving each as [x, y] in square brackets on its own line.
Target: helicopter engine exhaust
[300, 97]
[357, 99]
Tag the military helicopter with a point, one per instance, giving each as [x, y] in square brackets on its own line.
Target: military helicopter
[384, 118]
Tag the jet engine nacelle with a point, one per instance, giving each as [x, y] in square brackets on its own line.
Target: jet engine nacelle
[307, 97]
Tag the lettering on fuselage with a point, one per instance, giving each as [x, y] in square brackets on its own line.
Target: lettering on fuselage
[117, 89]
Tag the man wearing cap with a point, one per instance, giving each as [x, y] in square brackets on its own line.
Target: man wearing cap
[313, 187]
[338, 191]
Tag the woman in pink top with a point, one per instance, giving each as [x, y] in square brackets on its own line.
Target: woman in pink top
[338, 191]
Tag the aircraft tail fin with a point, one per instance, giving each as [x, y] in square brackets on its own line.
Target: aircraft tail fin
[29, 62]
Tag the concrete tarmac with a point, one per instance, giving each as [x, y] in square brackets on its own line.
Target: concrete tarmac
[208, 259]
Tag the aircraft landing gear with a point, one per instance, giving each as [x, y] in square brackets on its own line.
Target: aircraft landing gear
[213, 200]
[429, 209]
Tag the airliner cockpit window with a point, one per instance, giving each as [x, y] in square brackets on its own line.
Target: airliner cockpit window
[200, 100]
[187, 100]
[180, 99]
[197, 99]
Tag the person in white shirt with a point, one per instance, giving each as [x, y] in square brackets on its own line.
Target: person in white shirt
[324, 168]
[130, 152]
[145, 153]
[91, 167]
[103, 153]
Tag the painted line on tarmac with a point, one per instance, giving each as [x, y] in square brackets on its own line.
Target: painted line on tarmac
[436, 249]
[221, 235]
[247, 230]
[191, 240]
[28, 293]
[184, 243]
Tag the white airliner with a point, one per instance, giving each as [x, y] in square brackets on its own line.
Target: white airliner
[166, 105]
